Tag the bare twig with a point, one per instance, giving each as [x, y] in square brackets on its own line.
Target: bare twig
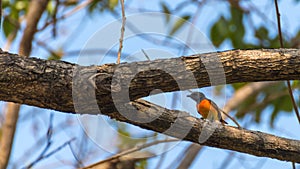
[73, 11]
[279, 24]
[190, 155]
[176, 160]
[146, 55]
[293, 165]
[147, 37]
[293, 101]
[43, 154]
[54, 151]
[161, 159]
[40, 143]
[122, 32]
[259, 164]
[78, 161]
[194, 20]
[227, 160]
[48, 136]
[54, 18]
[8, 132]
[126, 152]
[58, 148]
[281, 45]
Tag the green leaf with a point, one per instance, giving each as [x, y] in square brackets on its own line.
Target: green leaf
[166, 11]
[5, 3]
[50, 8]
[236, 15]
[286, 103]
[219, 31]
[9, 28]
[101, 5]
[93, 5]
[142, 164]
[112, 4]
[56, 55]
[262, 33]
[179, 23]
[236, 28]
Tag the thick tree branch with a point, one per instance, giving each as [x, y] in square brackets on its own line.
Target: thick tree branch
[226, 137]
[67, 87]
[48, 84]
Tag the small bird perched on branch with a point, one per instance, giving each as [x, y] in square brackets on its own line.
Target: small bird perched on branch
[209, 109]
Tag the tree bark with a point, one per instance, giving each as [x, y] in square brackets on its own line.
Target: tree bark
[68, 88]
[48, 84]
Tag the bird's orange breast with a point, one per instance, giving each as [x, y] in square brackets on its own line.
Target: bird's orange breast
[204, 107]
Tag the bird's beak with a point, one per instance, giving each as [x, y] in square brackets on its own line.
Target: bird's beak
[189, 96]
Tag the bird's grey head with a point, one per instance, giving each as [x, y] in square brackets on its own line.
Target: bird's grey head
[197, 96]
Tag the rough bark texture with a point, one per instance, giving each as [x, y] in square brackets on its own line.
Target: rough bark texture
[49, 84]
[69, 88]
[256, 143]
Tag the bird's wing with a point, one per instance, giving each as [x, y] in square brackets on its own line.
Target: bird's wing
[216, 109]
[214, 113]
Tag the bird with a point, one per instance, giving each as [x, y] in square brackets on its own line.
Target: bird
[209, 109]
[206, 107]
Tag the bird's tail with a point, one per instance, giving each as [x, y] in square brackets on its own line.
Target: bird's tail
[231, 118]
[223, 121]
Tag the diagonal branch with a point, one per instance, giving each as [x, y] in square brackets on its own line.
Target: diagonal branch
[226, 137]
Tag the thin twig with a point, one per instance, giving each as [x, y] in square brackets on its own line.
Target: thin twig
[40, 142]
[161, 159]
[73, 11]
[146, 55]
[194, 20]
[259, 164]
[58, 148]
[179, 157]
[49, 154]
[281, 45]
[54, 18]
[293, 165]
[227, 160]
[48, 136]
[189, 157]
[293, 100]
[278, 24]
[44, 156]
[78, 161]
[122, 32]
[149, 38]
[126, 152]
